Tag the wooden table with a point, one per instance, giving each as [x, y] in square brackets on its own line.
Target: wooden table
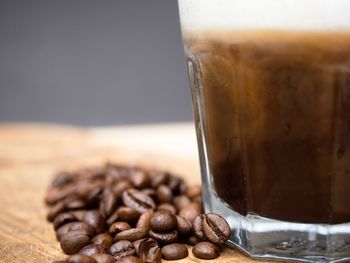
[31, 153]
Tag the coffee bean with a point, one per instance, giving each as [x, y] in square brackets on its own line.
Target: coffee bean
[158, 178]
[194, 191]
[58, 194]
[164, 194]
[192, 240]
[104, 258]
[128, 214]
[73, 241]
[164, 238]
[62, 219]
[130, 259]
[167, 207]
[138, 200]
[118, 227]
[82, 226]
[75, 204]
[95, 219]
[191, 211]
[149, 251]
[94, 196]
[93, 249]
[62, 179]
[198, 227]
[80, 259]
[162, 221]
[181, 201]
[108, 202]
[113, 218]
[174, 184]
[55, 211]
[122, 248]
[103, 239]
[216, 228]
[120, 187]
[137, 245]
[132, 234]
[150, 192]
[174, 251]
[198, 199]
[184, 226]
[145, 220]
[140, 179]
[79, 214]
[205, 250]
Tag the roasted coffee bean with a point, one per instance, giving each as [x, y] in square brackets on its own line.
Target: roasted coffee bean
[191, 211]
[140, 179]
[122, 248]
[181, 201]
[145, 220]
[79, 214]
[72, 226]
[216, 228]
[163, 221]
[103, 239]
[120, 187]
[138, 200]
[95, 219]
[132, 234]
[108, 202]
[174, 251]
[60, 261]
[62, 179]
[104, 258]
[80, 259]
[62, 219]
[93, 173]
[184, 226]
[198, 227]
[128, 214]
[93, 249]
[149, 251]
[174, 184]
[93, 197]
[118, 227]
[164, 238]
[158, 178]
[192, 240]
[167, 207]
[113, 218]
[205, 250]
[73, 241]
[84, 188]
[137, 245]
[58, 194]
[194, 191]
[55, 211]
[164, 194]
[150, 192]
[130, 259]
[75, 204]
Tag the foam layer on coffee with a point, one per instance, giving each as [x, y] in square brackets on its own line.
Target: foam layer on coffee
[267, 14]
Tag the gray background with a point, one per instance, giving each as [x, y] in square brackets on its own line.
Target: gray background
[100, 62]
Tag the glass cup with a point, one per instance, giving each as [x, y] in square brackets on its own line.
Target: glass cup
[270, 82]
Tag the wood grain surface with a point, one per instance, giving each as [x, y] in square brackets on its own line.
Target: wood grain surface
[31, 153]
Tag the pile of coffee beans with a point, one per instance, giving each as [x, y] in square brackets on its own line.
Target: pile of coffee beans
[129, 214]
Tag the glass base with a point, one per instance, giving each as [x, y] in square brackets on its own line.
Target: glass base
[265, 238]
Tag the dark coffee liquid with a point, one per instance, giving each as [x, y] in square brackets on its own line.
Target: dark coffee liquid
[277, 114]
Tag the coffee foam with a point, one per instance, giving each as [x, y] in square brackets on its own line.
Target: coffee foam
[266, 14]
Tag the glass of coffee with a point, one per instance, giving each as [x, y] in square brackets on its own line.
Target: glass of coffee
[270, 82]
